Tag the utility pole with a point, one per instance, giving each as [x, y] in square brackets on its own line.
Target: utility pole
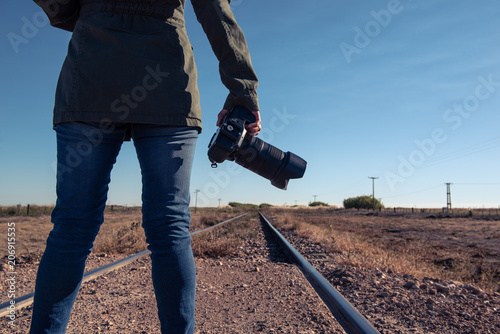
[448, 196]
[373, 189]
[196, 191]
[315, 197]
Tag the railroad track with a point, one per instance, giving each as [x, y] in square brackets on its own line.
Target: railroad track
[347, 316]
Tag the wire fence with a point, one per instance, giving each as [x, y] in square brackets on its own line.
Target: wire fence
[36, 210]
[25, 210]
[480, 213]
[472, 213]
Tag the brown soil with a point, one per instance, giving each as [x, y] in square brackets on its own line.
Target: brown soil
[250, 291]
[455, 248]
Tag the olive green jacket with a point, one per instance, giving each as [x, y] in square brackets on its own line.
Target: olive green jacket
[131, 61]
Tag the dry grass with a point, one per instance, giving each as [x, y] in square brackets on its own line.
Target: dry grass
[223, 242]
[359, 251]
[29, 210]
[206, 217]
[458, 249]
[212, 246]
[121, 232]
[30, 235]
[124, 240]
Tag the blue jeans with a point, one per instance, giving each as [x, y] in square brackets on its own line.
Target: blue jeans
[86, 153]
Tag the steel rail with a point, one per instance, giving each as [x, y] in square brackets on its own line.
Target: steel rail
[27, 299]
[348, 317]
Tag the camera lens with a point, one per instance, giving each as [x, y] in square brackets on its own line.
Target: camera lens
[270, 162]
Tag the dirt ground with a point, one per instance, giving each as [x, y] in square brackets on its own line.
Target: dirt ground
[458, 248]
[251, 290]
[466, 247]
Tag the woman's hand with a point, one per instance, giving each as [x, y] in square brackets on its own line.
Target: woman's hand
[253, 129]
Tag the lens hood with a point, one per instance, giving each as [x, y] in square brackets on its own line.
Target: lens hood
[293, 167]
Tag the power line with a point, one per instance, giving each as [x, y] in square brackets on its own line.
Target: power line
[465, 151]
[439, 186]
[414, 192]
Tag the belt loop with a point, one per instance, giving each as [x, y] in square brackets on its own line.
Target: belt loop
[128, 132]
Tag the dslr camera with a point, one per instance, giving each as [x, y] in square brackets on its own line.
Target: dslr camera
[232, 142]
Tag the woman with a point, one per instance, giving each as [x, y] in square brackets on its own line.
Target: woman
[130, 74]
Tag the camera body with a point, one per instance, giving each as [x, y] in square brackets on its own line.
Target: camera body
[232, 142]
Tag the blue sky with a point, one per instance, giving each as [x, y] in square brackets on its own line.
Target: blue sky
[406, 91]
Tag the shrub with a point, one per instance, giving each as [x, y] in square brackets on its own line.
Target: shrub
[318, 203]
[246, 205]
[362, 202]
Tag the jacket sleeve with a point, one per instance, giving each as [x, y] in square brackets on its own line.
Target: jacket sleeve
[230, 48]
[62, 14]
